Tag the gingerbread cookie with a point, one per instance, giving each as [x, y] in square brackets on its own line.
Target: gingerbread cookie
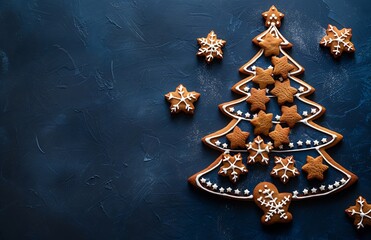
[273, 17]
[257, 99]
[271, 45]
[275, 205]
[290, 115]
[258, 151]
[361, 213]
[280, 135]
[284, 92]
[211, 47]
[232, 167]
[338, 40]
[282, 67]
[263, 77]
[284, 168]
[315, 168]
[181, 100]
[262, 123]
[237, 138]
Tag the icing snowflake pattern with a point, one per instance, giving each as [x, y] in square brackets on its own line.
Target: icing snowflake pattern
[258, 151]
[338, 40]
[361, 213]
[274, 204]
[182, 100]
[232, 166]
[284, 168]
[211, 47]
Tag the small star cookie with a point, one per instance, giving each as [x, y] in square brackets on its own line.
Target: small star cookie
[284, 168]
[314, 168]
[271, 45]
[273, 17]
[232, 167]
[257, 99]
[274, 204]
[361, 212]
[258, 151]
[181, 100]
[211, 47]
[280, 135]
[338, 40]
[262, 123]
[281, 66]
[237, 138]
[263, 77]
[290, 115]
[284, 92]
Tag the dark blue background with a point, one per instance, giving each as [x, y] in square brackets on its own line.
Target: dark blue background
[88, 148]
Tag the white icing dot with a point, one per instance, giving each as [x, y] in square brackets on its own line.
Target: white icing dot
[313, 190]
[224, 145]
[239, 113]
[324, 140]
[208, 184]
[229, 189]
[305, 113]
[277, 117]
[217, 143]
[215, 186]
[231, 109]
[246, 192]
[315, 142]
[237, 191]
[246, 89]
[203, 180]
[300, 143]
[305, 191]
[221, 189]
[247, 115]
[322, 187]
[308, 142]
[291, 145]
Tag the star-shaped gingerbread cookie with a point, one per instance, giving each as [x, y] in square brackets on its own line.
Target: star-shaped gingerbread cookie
[280, 135]
[237, 138]
[257, 99]
[284, 168]
[338, 40]
[273, 17]
[232, 167]
[271, 45]
[211, 47]
[258, 151]
[361, 212]
[284, 92]
[315, 168]
[263, 77]
[290, 115]
[281, 66]
[262, 123]
[181, 100]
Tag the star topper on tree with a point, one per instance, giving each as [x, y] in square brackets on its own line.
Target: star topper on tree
[272, 138]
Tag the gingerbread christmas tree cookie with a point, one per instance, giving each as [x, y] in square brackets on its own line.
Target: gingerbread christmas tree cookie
[285, 150]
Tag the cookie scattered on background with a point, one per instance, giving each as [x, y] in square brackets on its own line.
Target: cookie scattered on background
[181, 100]
[338, 40]
[211, 47]
[361, 212]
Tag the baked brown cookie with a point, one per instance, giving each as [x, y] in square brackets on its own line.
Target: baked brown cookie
[237, 138]
[273, 17]
[262, 123]
[284, 168]
[232, 167]
[315, 168]
[284, 92]
[181, 100]
[274, 204]
[280, 135]
[281, 66]
[211, 47]
[290, 115]
[263, 77]
[338, 40]
[258, 151]
[361, 213]
[257, 99]
[271, 45]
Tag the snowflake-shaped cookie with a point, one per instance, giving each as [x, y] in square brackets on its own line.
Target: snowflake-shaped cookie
[258, 151]
[284, 168]
[232, 167]
[211, 47]
[181, 100]
[361, 213]
[338, 40]
[274, 204]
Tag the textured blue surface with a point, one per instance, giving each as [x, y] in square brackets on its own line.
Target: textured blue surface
[88, 148]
